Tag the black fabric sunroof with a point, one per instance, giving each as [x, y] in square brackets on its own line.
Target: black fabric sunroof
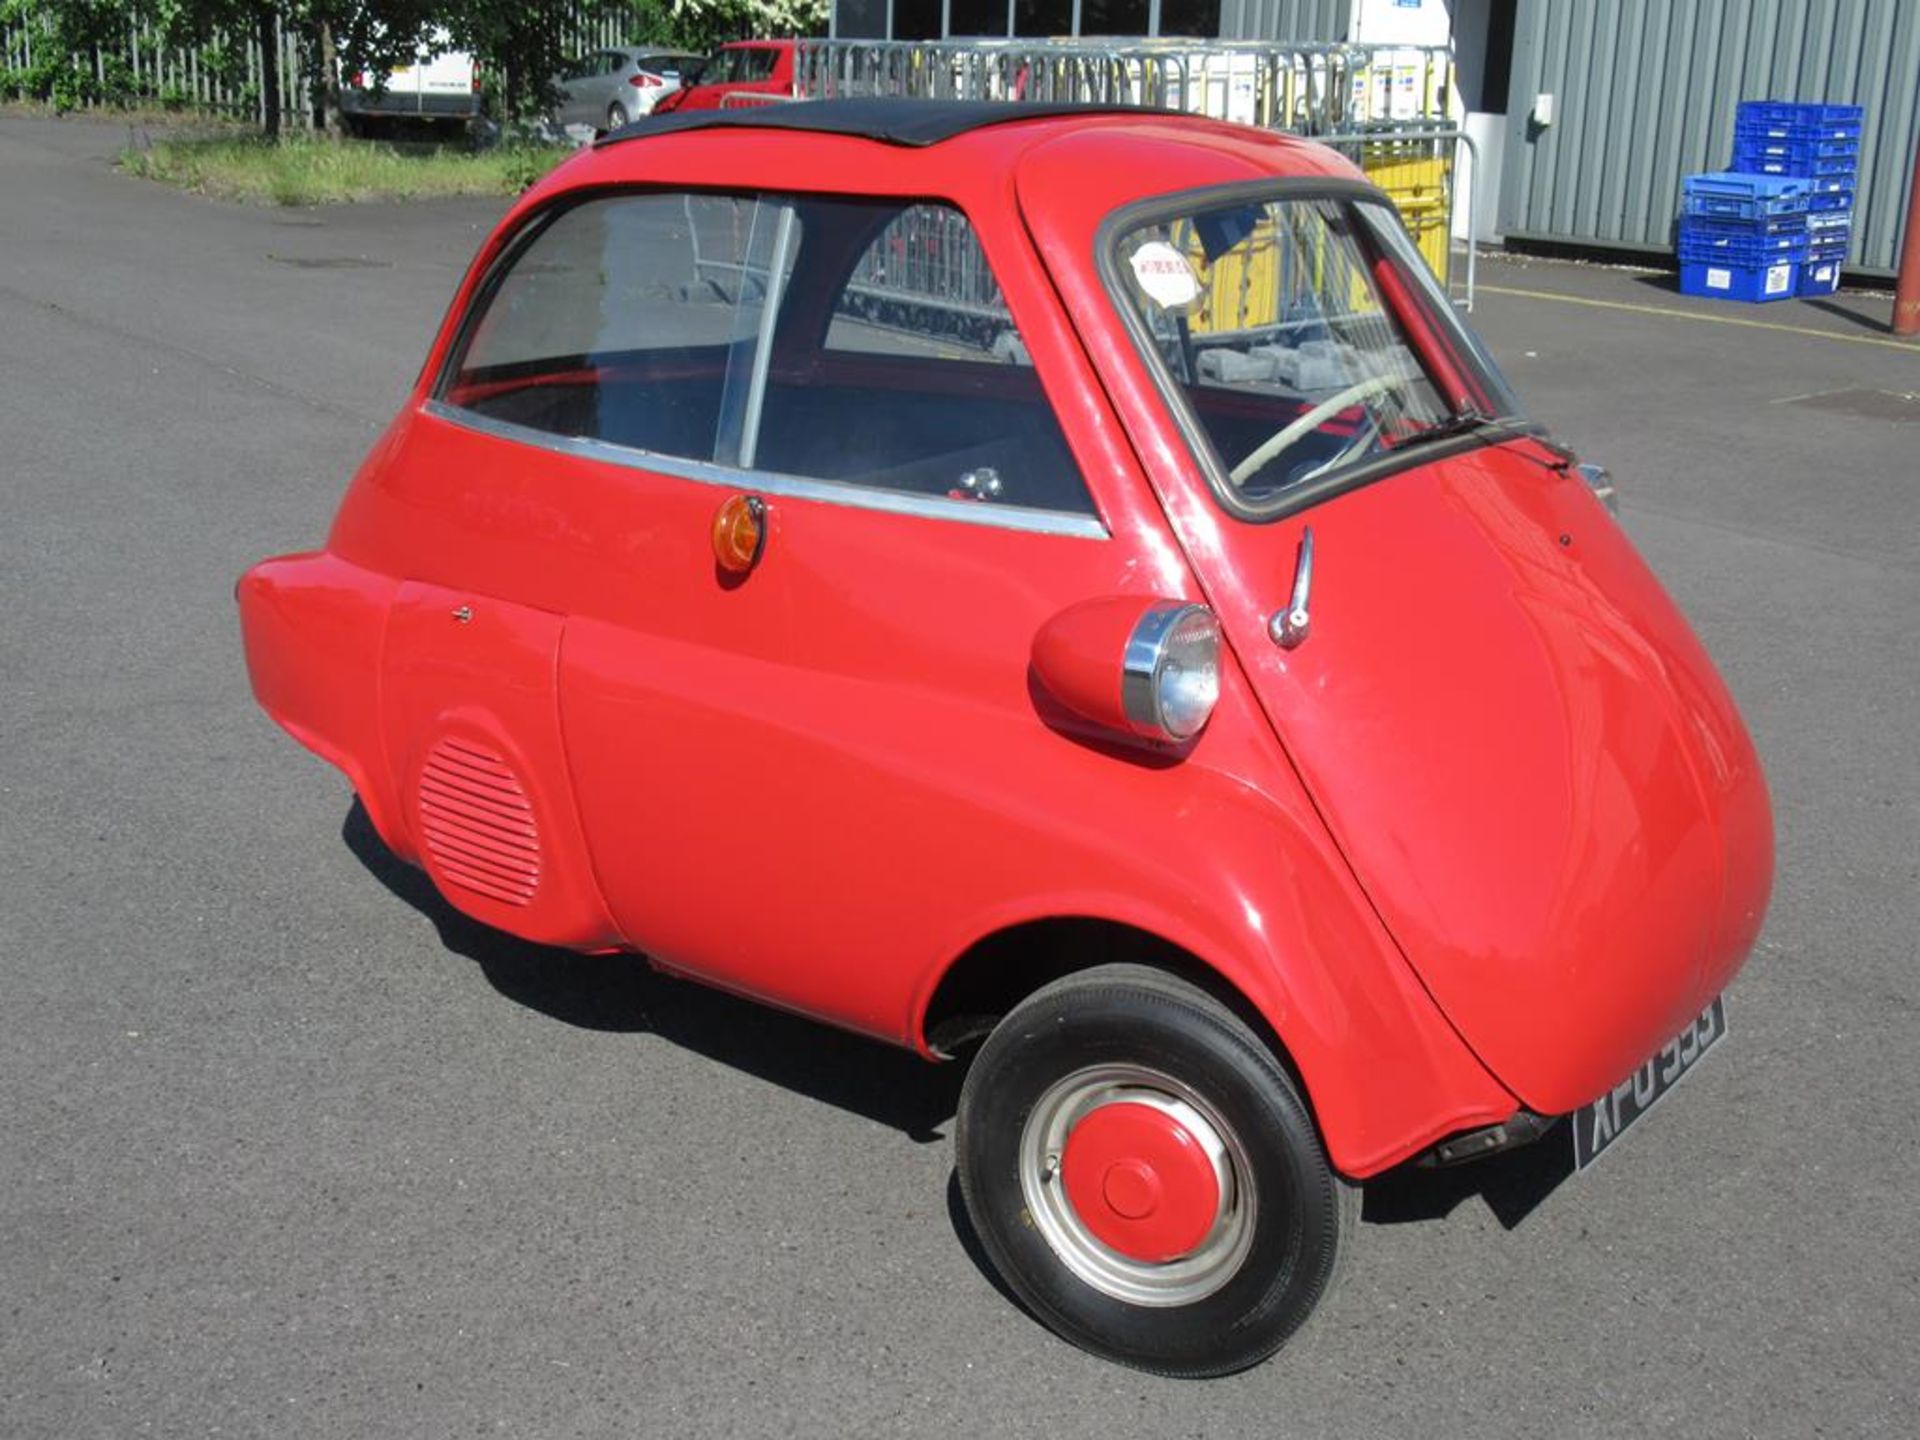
[893, 122]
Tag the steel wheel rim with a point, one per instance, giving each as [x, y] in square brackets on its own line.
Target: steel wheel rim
[1195, 1275]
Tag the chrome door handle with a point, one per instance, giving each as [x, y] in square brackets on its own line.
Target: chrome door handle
[1289, 627]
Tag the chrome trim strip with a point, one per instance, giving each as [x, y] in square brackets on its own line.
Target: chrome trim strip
[794, 487]
[1140, 663]
[776, 287]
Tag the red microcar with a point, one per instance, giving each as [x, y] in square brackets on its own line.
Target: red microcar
[745, 72]
[1059, 588]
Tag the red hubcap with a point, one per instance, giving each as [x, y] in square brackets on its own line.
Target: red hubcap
[1140, 1182]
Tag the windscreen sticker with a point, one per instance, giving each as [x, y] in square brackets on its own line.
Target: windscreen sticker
[1166, 276]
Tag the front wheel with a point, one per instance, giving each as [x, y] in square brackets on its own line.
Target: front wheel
[1145, 1176]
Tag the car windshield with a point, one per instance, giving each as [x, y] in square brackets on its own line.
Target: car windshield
[1306, 340]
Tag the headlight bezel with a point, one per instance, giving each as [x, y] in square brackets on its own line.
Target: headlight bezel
[1170, 671]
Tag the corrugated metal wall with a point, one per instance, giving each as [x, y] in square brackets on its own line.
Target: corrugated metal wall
[1308, 20]
[1644, 92]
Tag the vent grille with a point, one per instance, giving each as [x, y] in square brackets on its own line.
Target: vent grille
[477, 823]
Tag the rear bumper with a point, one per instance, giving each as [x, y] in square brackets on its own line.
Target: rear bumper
[449, 106]
[312, 627]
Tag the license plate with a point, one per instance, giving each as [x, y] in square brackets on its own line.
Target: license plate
[1599, 1125]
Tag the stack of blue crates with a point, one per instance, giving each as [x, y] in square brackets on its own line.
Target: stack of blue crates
[1778, 223]
[1821, 145]
[1743, 236]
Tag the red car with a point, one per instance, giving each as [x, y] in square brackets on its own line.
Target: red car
[1060, 588]
[745, 72]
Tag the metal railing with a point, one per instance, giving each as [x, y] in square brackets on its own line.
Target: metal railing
[1304, 89]
[1386, 106]
[1429, 218]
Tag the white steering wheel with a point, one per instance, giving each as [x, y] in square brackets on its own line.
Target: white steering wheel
[1311, 420]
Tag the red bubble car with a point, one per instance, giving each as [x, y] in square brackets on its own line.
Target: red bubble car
[1060, 588]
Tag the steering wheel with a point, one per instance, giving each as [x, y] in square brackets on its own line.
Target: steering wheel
[1312, 420]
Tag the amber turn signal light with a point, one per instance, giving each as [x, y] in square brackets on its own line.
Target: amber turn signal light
[740, 533]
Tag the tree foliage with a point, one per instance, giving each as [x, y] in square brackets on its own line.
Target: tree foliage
[80, 47]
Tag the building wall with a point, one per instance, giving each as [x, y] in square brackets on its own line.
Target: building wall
[1305, 20]
[1644, 92]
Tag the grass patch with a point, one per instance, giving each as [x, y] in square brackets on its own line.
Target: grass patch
[310, 170]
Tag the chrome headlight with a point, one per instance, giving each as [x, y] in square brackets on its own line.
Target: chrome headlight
[1170, 680]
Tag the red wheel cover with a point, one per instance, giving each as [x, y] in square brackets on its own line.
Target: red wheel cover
[1140, 1182]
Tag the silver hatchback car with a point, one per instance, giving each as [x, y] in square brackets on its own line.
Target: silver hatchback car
[607, 88]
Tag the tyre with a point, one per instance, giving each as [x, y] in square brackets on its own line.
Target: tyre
[616, 115]
[1145, 1176]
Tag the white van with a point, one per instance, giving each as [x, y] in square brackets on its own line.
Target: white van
[439, 85]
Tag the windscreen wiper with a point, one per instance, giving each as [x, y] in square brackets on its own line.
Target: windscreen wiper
[1469, 421]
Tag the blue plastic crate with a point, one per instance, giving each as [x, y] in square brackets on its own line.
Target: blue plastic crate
[1756, 239]
[1733, 208]
[1797, 112]
[1799, 150]
[1832, 185]
[1762, 250]
[1795, 224]
[1744, 195]
[1829, 222]
[1824, 131]
[1812, 167]
[1828, 201]
[1738, 183]
[1819, 277]
[1751, 283]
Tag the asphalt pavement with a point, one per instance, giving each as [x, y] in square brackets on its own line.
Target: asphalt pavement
[289, 1149]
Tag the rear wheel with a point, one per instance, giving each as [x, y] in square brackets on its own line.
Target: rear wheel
[616, 115]
[1145, 1176]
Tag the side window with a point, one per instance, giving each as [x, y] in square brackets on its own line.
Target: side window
[923, 360]
[890, 360]
[758, 64]
[922, 287]
[629, 320]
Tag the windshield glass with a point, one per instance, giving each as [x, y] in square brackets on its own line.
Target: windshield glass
[1307, 341]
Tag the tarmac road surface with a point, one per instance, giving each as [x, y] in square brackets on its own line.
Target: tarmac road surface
[289, 1149]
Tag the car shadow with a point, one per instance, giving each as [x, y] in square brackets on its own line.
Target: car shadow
[892, 1087]
[623, 994]
[1513, 1185]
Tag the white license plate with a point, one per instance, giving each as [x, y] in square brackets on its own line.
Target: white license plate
[1597, 1126]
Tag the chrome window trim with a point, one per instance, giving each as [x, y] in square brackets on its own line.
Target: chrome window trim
[767, 482]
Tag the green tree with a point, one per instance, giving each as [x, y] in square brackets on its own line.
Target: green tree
[340, 36]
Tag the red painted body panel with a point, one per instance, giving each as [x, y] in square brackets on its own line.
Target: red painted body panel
[471, 716]
[1540, 780]
[313, 626]
[1073, 659]
[1505, 730]
[821, 783]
